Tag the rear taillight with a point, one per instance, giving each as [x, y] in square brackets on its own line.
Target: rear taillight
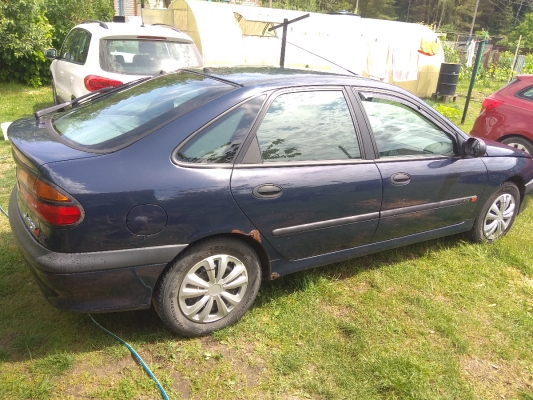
[50, 205]
[95, 82]
[490, 104]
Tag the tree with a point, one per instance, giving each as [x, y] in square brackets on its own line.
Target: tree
[526, 30]
[65, 14]
[25, 34]
[380, 9]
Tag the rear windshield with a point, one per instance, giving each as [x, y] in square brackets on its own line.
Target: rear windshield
[147, 57]
[126, 116]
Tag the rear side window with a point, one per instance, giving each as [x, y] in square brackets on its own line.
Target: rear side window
[126, 116]
[76, 46]
[147, 57]
[527, 94]
[219, 142]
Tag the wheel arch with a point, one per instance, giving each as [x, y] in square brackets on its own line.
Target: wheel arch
[513, 135]
[264, 259]
[520, 184]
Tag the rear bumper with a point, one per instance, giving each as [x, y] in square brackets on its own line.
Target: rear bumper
[96, 281]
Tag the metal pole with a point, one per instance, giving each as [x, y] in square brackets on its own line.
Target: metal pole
[473, 79]
[514, 59]
[283, 43]
[285, 24]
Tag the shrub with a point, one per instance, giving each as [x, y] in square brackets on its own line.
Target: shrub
[25, 34]
[65, 14]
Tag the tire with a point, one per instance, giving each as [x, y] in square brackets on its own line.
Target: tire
[192, 302]
[497, 215]
[54, 93]
[519, 143]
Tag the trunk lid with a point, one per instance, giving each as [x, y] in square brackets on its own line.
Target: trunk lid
[36, 144]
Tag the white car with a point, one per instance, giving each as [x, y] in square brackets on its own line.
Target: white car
[99, 54]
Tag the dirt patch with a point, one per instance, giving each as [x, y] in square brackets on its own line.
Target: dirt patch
[243, 359]
[496, 380]
[85, 378]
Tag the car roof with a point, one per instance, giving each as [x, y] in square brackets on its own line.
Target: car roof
[286, 77]
[134, 29]
[525, 77]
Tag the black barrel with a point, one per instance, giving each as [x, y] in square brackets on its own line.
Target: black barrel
[448, 76]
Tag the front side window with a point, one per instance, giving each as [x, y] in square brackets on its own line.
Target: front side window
[76, 46]
[308, 126]
[219, 142]
[401, 131]
[147, 57]
[121, 117]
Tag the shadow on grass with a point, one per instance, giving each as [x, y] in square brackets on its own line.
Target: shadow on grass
[298, 281]
[33, 328]
[42, 105]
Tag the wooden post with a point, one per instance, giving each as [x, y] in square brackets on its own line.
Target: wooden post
[514, 59]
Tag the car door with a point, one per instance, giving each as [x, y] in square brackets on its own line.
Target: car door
[303, 180]
[426, 183]
[70, 69]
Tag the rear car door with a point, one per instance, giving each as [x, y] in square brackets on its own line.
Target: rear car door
[303, 180]
[426, 183]
[70, 68]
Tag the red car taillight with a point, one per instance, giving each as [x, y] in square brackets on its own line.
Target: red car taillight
[490, 104]
[48, 203]
[95, 82]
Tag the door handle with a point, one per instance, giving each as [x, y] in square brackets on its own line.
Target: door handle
[400, 179]
[267, 191]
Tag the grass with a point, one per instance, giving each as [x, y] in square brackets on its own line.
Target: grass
[444, 319]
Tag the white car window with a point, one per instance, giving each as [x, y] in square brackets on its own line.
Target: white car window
[76, 46]
[146, 57]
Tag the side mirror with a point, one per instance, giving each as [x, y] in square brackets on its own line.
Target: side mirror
[474, 147]
[51, 54]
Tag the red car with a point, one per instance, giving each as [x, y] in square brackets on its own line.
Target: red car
[507, 115]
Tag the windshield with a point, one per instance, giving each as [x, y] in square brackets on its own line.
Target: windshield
[128, 115]
[147, 57]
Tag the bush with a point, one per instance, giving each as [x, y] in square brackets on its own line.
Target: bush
[25, 34]
[65, 14]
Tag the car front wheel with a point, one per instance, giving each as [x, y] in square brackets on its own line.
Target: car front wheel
[519, 143]
[497, 215]
[208, 288]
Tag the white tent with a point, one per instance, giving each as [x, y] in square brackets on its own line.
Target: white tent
[228, 34]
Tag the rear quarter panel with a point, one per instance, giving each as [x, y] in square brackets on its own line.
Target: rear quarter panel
[198, 201]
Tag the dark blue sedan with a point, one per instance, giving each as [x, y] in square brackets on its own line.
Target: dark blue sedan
[187, 189]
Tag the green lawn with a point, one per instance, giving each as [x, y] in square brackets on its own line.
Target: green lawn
[444, 319]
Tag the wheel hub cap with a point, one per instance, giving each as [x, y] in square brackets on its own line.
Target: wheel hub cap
[499, 216]
[213, 288]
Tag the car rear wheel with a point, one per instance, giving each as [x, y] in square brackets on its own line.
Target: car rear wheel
[519, 143]
[497, 215]
[208, 288]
